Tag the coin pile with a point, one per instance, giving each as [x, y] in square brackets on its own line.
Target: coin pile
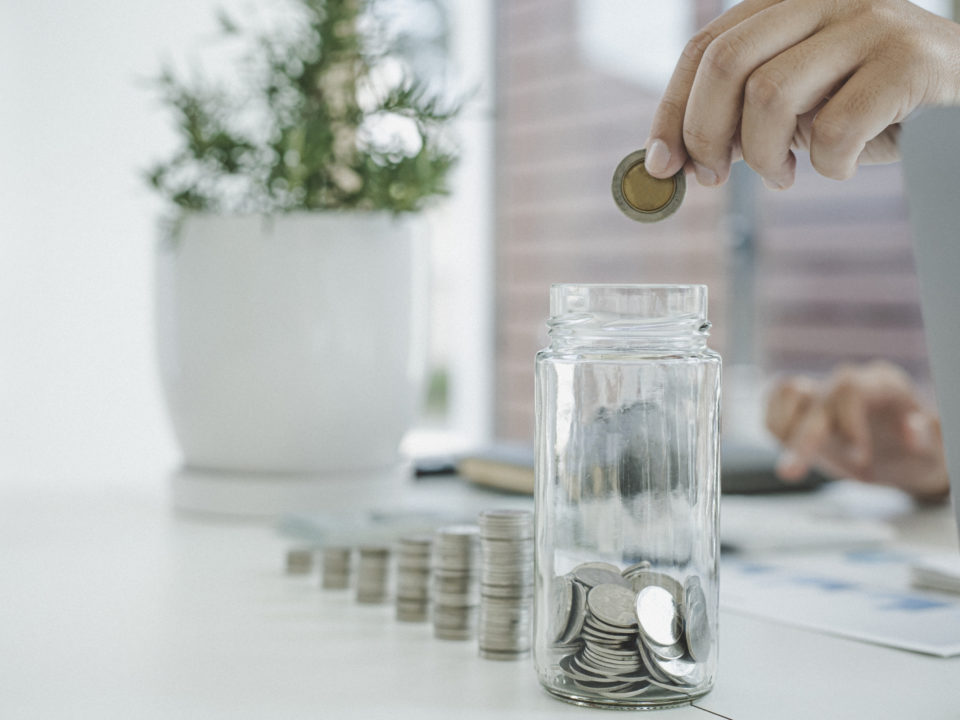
[625, 634]
[299, 560]
[413, 578]
[455, 582]
[506, 583]
[336, 568]
[373, 574]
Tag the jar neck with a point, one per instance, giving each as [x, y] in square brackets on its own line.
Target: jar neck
[615, 333]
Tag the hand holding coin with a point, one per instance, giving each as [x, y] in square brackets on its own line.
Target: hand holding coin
[767, 77]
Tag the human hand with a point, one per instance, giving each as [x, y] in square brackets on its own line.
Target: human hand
[831, 77]
[863, 422]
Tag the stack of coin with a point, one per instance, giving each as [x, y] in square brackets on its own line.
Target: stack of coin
[373, 574]
[336, 568]
[413, 578]
[506, 583]
[622, 635]
[455, 582]
[299, 560]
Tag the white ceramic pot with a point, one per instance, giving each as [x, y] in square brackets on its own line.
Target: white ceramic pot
[293, 344]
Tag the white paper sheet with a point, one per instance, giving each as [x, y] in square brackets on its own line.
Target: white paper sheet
[937, 572]
[865, 595]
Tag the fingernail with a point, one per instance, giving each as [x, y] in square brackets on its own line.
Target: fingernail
[920, 430]
[789, 465]
[705, 176]
[658, 157]
[858, 455]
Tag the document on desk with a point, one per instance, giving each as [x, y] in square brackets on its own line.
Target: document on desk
[860, 594]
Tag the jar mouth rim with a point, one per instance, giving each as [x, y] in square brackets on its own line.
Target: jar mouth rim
[586, 327]
[640, 303]
[631, 286]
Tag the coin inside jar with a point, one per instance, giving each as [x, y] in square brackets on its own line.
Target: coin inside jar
[659, 615]
[642, 197]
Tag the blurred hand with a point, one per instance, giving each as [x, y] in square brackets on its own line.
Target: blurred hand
[863, 422]
[829, 76]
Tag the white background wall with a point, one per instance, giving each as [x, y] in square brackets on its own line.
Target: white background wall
[78, 386]
[77, 380]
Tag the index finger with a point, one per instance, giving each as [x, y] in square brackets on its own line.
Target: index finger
[804, 444]
[666, 153]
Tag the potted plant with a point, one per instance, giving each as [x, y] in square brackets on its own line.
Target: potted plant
[290, 299]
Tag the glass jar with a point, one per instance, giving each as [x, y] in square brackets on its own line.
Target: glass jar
[627, 496]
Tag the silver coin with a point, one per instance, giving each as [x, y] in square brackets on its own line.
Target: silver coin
[335, 581]
[455, 583]
[588, 635]
[413, 578]
[578, 615]
[665, 652]
[652, 663]
[696, 622]
[571, 668]
[613, 604]
[452, 634]
[627, 651]
[633, 690]
[614, 670]
[636, 569]
[599, 655]
[658, 615]
[594, 623]
[668, 686]
[599, 686]
[375, 550]
[593, 574]
[598, 565]
[582, 670]
[614, 667]
[508, 592]
[506, 585]
[506, 524]
[683, 671]
[642, 578]
[458, 533]
[337, 562]
[337, 555]
[413, 614]
[373, 574]
[299, 560]
[487, 654]
[581, 673]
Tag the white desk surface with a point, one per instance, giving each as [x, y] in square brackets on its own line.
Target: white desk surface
[113, 606]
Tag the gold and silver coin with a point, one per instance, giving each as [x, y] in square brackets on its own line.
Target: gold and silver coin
[642, 197]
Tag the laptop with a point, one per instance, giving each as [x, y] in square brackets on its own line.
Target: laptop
[930, 145]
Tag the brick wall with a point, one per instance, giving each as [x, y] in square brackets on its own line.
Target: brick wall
[836, 276]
